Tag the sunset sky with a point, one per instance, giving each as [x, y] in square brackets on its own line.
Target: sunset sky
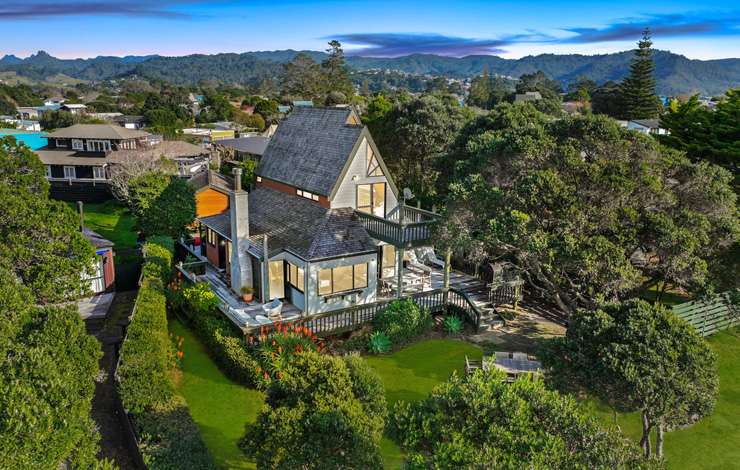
[512, 29]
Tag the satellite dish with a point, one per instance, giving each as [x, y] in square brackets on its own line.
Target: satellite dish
[407, 194]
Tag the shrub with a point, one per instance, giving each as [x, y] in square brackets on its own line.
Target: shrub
[452, 325]
[379, 343]
[158, 252]
[200, 298]
[276, 352]
[402, 321]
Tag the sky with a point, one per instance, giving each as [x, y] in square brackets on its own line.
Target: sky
[512, 29]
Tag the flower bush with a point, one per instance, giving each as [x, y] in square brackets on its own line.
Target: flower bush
[402, 321]
[276, 351]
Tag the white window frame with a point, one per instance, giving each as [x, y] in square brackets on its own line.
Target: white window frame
[78, 144]
[48, 171]
[67, 169]
[98, 172]
[307, 195]
[94, 144]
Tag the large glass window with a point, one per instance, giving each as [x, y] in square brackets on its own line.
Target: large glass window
[371, 198]
[342, 279]
[69, 172]
[388, 263]
[277, 280]
[296, 276]
[98, 172]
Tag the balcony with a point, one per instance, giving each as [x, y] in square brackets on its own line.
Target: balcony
[405, 226]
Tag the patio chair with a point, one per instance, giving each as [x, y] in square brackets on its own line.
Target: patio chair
[427, 255]
[414, 263]
[273, 309]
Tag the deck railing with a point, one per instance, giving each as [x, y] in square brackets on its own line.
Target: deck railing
[338, 321]
[416, 229]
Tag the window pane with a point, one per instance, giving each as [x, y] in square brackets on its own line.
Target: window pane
[342, 278]
[277, 283]
[389, 261]
[325, 281]
[300, 279]
[363, 197]
[379, 199]
[360, 276]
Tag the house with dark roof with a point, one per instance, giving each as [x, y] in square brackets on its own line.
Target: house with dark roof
[79, 158]
[323, 223]
[647, 126]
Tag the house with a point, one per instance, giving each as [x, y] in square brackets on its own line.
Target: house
[211, 193]
[35, 112]
[302, 104]
[249, 147]
[78, 158]
[74, 108]
[57, 100]
[527, 96]
[321, 228]
[647, 126]
[22, 124]
[209, 135]
[130, 121]
[104, 275]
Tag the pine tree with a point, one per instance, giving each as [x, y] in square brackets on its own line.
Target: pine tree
[638, 89]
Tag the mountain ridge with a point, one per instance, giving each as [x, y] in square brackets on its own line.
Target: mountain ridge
[675, 74]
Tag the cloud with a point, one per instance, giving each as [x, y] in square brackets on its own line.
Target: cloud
[399, 44]
[661, 26]
[29, 9]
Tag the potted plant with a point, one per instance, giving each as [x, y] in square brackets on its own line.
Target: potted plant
[247, 293]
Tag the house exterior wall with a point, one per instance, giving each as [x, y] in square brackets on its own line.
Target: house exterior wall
[346, 195]
[320, 304]
[210, 202]
[109, 271]
[287, 189]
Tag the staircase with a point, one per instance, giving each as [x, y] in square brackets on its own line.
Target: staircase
[477, 293]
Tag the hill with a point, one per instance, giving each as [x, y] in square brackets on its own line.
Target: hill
[675, 73]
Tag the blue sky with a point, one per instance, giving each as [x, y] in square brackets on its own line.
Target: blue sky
[87, 28]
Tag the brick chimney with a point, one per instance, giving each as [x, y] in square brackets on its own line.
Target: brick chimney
[241, 267]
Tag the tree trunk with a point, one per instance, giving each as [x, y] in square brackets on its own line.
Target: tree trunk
[645, 441]
[659, 441]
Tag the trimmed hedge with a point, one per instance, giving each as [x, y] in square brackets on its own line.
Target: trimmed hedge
[167, 434]
[402, 321]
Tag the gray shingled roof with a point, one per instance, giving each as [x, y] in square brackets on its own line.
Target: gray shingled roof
[254, 144]
[297, 225]
[96, 239]
[310, 149]
[97, 131]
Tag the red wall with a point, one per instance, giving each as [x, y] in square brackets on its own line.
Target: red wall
[109, 271]
[287, 189]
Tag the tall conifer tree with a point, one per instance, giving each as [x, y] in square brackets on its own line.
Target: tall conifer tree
[638, 89]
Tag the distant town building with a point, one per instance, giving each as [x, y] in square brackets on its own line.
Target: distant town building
[647, 126]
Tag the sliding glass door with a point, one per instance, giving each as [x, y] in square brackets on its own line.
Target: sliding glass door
[371, 198]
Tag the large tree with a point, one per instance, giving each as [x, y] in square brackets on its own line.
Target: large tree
[705, 134]
[481, 421]
[41, 237]
[171, 211]
[303, 78]
[335, 71]
[638, 357]
[323, 412]
[638, 89]
[586, 209]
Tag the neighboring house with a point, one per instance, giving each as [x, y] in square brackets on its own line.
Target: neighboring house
[78, 158]
[320, 230]
[283, 109]
[527, 96]
[249, 147]
[22, 124]
[303, 104]
[647, 126]
[130, 122]
[54, 101]
[74, 108]
[35, 112]
[211, 193]
[209, 135]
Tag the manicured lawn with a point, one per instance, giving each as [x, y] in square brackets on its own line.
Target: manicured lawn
[714, 442]
[220, 407]
[113, 221]
[411, 373]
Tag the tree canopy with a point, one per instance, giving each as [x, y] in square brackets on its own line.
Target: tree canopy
[638, 88]
[585, 209]
[481, 421]
[638, 357]
[323, 412]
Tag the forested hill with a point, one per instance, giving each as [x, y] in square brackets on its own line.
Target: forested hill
[675, 73]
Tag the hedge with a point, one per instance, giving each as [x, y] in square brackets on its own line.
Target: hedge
[167, 434]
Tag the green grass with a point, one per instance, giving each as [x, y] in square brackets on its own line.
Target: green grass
[714, 442]
[113, 221]
[220, 407]
[411, 373]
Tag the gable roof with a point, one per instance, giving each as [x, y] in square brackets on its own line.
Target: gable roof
[97, 131]
[297, 225]
[649, 123]
[310, 149]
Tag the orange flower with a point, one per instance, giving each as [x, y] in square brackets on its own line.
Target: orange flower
[266, 376]
[180, 354]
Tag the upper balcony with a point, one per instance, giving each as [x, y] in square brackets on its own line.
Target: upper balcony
[404, 227]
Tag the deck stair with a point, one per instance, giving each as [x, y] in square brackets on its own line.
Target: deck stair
[478, 295]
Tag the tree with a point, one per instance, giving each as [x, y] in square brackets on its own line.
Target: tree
[638, 89]
[585, 209]
[414, 136]
[581, 90]
[607, 99]
[481, 421]
[7, 107]
[42, 241]
[169, 211]
[335, 71]
[480, 91]
[638, 357]
[322, 412]
[268, 109]
[251, 121]
[302, 77]
[704, 134]
[52, 119]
